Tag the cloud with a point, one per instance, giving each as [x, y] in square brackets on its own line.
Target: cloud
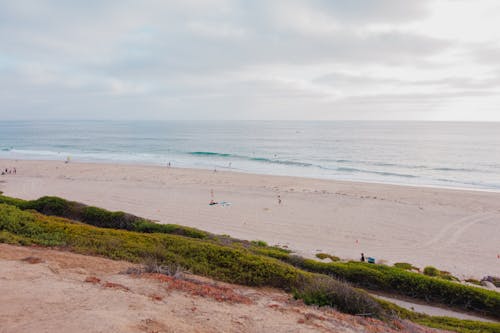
[231, 57]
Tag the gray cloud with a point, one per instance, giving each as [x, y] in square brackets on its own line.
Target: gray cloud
[170, 59]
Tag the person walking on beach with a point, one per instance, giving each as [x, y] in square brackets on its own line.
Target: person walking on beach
[362, 257]
[279, 199]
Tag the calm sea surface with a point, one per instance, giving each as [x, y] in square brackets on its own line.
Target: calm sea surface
[465, 155]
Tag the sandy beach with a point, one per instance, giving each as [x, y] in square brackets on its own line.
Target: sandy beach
[454, 230]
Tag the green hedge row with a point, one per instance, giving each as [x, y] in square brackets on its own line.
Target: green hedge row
[99, 217]
[397, 280]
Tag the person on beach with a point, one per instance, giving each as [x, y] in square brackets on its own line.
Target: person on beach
[212, 201]
[279, 199]
[362, 257]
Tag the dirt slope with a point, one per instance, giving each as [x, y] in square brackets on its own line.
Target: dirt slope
[44, 290]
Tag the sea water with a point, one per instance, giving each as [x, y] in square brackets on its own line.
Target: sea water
[447, 154]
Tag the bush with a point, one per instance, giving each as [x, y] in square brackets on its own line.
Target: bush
[99, 217]
[323, 256]
[52, 206]
[431, 271]
[321, 290]
[259, 243]
[434, 272]
[406, 266]
[410, 284]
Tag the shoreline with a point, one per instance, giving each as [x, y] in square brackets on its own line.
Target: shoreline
[422, 225]
[255, 173]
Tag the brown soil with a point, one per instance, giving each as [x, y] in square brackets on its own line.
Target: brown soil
[66, 292]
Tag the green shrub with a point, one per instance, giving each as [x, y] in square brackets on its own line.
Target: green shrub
[447, 276]
[142, 225]
[99, 217]
[406, 266]
[272, 252]
[321, 290]
[259, 243]
[431, 271]
[52, 206]
[434, 272]
[323, 256]
[20, 203]
[410, 284]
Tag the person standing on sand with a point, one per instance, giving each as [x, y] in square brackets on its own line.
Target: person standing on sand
[212, 201]
[362, 257]
[279, 199]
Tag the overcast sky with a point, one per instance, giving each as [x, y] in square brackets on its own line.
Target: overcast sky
[250, 59]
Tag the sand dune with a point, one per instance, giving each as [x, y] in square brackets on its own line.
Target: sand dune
[454, 230]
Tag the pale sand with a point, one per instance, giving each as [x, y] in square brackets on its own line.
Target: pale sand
[454, 230]
[52, 296]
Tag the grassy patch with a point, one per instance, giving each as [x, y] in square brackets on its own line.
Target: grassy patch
[432, 271]
[406, 266]
[323, 256]
[259, 243]
[55, 206]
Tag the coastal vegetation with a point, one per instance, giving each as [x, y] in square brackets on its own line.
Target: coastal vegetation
[399, 281]
[406, 266]
[432, 286]
[201, 257]
[323, 256]
[99, 217]
[249, 263]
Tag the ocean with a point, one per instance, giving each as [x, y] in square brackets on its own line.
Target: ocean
[443, 154]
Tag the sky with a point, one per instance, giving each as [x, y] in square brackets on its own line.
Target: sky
[259, 59]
